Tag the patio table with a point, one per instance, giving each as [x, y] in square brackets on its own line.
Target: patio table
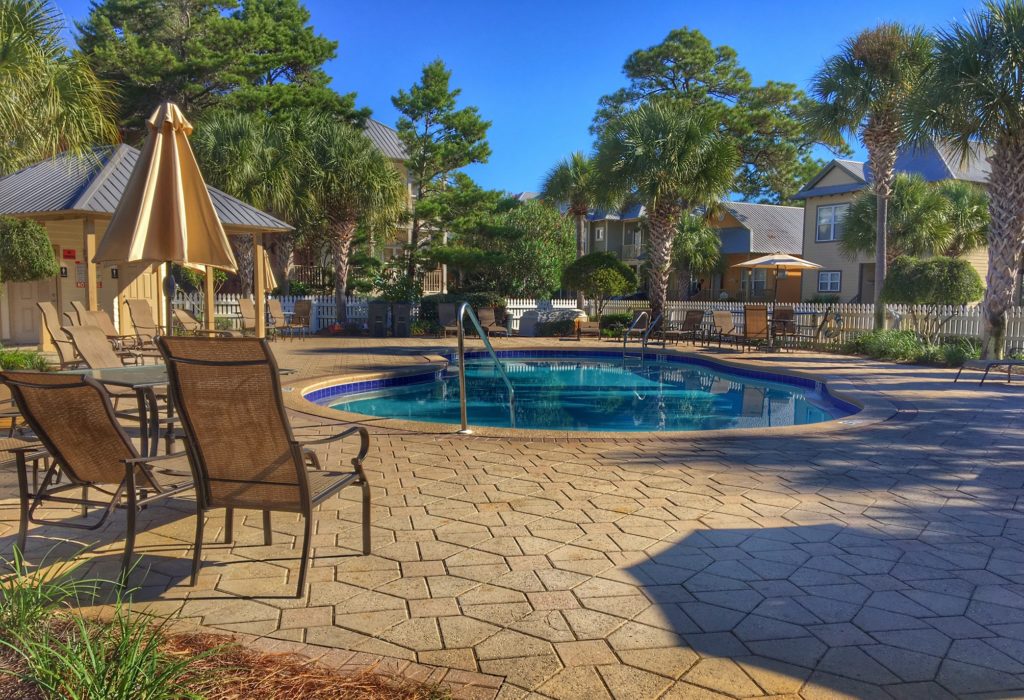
[144, 380]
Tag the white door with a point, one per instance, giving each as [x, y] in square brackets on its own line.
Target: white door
[26, 319]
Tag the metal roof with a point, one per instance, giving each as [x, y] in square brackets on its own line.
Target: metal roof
[386, 139]
[628, 213]
[773, 228]
[95, 183]
[938, 160]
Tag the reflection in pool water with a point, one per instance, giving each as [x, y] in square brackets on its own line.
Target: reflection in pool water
[601, 395]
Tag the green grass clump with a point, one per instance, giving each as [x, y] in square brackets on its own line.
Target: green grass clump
[907, 346]
[13, 358]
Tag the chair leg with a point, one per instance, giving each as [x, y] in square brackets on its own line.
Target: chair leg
[268, 537]
[197, 548]
[85, 496]
[365, 486]
[304, 562]
[229, 525]
[22, 502]
[129, 537]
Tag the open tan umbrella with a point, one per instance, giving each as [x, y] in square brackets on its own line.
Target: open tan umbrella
[165, 214]
[778, 262]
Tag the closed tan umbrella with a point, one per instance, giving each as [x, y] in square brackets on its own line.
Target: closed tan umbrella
[269, 279]
[165, 214]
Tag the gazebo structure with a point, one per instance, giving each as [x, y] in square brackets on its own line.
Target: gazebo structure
[74, 198]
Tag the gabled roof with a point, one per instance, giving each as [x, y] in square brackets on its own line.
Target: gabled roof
[630, 212]
[938, 160]
[773, 228]
[94, 183]
[386, 139]
[856, 169]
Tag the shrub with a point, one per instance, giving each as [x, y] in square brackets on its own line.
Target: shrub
[421, 327]
[823, 299]
[937, 280]
[25, 251]
[599, 276]
[620, 321]
[13, 358]
[565, 327]
[907, 346]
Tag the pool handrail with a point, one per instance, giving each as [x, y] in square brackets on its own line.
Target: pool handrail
[625, 336]
[466, 310]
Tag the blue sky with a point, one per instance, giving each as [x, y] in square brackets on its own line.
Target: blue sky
[537, 69]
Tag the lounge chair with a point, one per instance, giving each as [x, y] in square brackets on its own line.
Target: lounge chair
[147, 328]
[302, 318]
[241, 444]
[74, 420]
[723, 327]
[489, 323]
[83, 313]
[67, 357]
[987, 366]
[101, 320]
[282, 321]
[188, 324]
[247, 310]
[755, 326]
[96, 351]
[446, 317]
[689, 328]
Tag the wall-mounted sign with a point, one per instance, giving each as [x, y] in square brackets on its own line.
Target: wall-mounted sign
[113, 273]
[80, 274]
[64, 271]
[69, 253]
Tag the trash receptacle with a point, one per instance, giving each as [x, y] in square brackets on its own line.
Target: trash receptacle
[401, 321]
[377, 319]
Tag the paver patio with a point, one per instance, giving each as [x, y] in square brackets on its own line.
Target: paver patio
[881, 561]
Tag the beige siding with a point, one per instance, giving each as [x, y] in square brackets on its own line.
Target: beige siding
[979, 260]
[836, 176]
[827, 254]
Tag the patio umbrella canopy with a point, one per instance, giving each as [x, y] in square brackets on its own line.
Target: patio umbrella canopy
[165, 214]
[778, 262]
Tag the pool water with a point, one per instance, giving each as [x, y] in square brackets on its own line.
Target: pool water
[590, 394]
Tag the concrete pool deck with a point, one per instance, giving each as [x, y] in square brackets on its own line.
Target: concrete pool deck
[880, 560]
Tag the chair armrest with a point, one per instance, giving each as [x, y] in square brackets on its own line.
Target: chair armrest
[136, 461]
[364, 440]
[26, 448]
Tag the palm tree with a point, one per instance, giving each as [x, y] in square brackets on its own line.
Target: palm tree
[864, 91]
[575, 181]
[697, 247]
[50, 101]
[260, 160]
[673, 161]
[973, 93]
[353, 184]
[918, 221]
[967, 216]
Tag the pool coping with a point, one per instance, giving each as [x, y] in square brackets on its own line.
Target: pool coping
[873, 408]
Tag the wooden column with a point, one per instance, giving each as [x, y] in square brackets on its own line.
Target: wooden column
[209, 293]
[258, 284]
[92, 294]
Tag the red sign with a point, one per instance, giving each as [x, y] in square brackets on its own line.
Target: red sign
[69, 254]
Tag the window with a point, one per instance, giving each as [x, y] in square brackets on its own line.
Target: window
[758, 280]
[830, 281]
[830, 222]
[599, 233]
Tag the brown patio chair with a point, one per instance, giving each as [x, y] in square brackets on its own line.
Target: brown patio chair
[302, 317]
[585, 326]
[277, 319]
[784, 328]
[241, 444]
[101, 320]
[96, 351]
[247, 310]
[489, 323]
[144, 322]
[755, 326]
[689, 328]
[641, 327]
[66, 355]
[74, 420]
[723, 327]
[188, 324]
[446, 317]
[82, 312]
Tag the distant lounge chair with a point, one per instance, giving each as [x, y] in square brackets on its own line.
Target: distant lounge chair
[689, 328]
[446, 317]
[490, 324]
[144, 321]
[987, 366]
[723, 327]
[755, 326]
[96, 351]
[300, 318]
[190, 325]
[247, 309]
[66, 354]
[241, 444]
[61, 409]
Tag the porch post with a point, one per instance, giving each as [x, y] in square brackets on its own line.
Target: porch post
[208, 300]
[89, 247]
[258, 284]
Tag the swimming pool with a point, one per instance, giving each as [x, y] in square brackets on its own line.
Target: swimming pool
[579, 391]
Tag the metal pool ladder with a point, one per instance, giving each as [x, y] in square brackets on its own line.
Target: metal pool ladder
[625, 335]
[465, 310]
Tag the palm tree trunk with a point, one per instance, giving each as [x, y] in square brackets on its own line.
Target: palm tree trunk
[1005, 239]
[882, 139]
[581, 223]
[662, 223]
[341, 245]
[243, 254]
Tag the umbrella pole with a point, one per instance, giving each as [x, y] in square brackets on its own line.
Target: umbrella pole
[170, 298]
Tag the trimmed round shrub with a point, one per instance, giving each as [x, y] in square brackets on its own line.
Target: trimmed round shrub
[26, 253]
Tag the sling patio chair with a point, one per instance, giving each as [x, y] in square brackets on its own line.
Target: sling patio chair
[489, 323]
[446, 317]
[247, 310]
[987, 366]
[755, 326]
[280, 320]
[101, 319]
[690, 328]
[188, 324]
[66, 355]
[96, 352]
[785, 331]
[241, 445]
[585, 326]
[302, 317]
[147, 328]
[73, 419]
[641, 324]
[723, 327]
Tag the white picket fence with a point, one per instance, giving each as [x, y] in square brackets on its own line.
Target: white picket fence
[856, 318]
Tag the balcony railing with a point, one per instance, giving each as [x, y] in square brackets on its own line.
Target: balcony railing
[630, 251]
[433, 282]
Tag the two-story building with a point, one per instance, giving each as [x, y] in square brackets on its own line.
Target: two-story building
[827, 198]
